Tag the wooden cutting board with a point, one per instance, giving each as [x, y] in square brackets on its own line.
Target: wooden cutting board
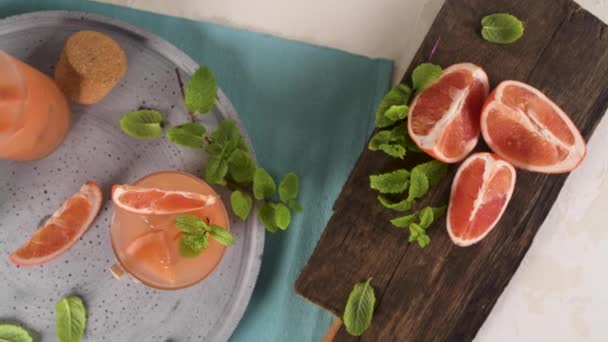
[444, 292]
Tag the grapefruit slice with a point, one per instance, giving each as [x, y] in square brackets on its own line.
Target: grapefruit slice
[152, 252]
[61, 230]
[526, 128]
[151, 201]
[444, 118]
[481, 190]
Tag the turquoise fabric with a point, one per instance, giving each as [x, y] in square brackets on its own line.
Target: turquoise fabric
[308, 109]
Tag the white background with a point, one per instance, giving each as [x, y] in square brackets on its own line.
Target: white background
[560, 292]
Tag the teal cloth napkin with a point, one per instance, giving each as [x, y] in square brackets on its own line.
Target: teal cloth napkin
[308, 109]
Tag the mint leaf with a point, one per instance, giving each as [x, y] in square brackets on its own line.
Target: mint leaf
[390, 183]
[190, 224]
[501, 28]
[393, 150]
[282, 216]
[398, 95]
[427, 217]
[14, 333]
[71, 319]
[396, 112]
[221, 235]
[263, 184]
[216, 170]
[423, 240]
[404, 221]
[289, 187]
[142, 124]
[241, 204]
[378, 139]
[295, 206]
[419, 185]
[434, 170]
[192, 245]
[189, 134]
[403, 205]
[200, 91]
[227, 135]
[266, 215]
[424, 74]
[415, 232]
[187, 251]
[359, 308]
[241, 167]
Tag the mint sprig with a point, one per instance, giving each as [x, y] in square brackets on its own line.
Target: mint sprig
[196, 233]
[398, 96]
[229, 162]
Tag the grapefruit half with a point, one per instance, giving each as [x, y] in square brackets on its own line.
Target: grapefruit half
[481, 190]
[444, 118]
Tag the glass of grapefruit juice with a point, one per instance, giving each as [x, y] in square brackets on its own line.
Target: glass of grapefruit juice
[34, 113]
[147, 246]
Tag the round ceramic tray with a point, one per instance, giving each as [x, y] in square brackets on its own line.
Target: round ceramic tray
[96, 149]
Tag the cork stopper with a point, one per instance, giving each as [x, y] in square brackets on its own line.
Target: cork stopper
[91, 64]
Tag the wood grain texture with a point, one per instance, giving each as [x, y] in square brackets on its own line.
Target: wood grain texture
[445, 292]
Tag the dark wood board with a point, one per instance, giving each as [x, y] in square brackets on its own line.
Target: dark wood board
[444, 292]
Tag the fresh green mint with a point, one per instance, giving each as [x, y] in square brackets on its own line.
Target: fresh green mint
[404, 221]
[402, 205]
[241, 166]
[501, 28]
[392, 182]
[142, 124]
[419, 185]
[359, 308]
[266, 213]
[289, 187]
[71, 319]
[282, 215]
[216, 170]
[394, 142]
[426, 216]
[398, 96]
[195, 235]
[14, 333]
[434, 170]
[425, 74]
[190, 134]
[263, 184]
[396, 112]
[200, 91]
[241, 204]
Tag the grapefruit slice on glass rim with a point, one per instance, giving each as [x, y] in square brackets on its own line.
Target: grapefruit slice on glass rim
[526, 128]
[443, 119]
[150, 201]
[481, 190]
[63, 229]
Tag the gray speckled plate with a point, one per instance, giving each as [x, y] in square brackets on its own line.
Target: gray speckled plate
[95, 148]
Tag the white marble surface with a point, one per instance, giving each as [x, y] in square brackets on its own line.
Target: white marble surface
[559, 292]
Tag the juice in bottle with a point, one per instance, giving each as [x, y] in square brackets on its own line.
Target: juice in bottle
[34, 113]
[147, 247]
